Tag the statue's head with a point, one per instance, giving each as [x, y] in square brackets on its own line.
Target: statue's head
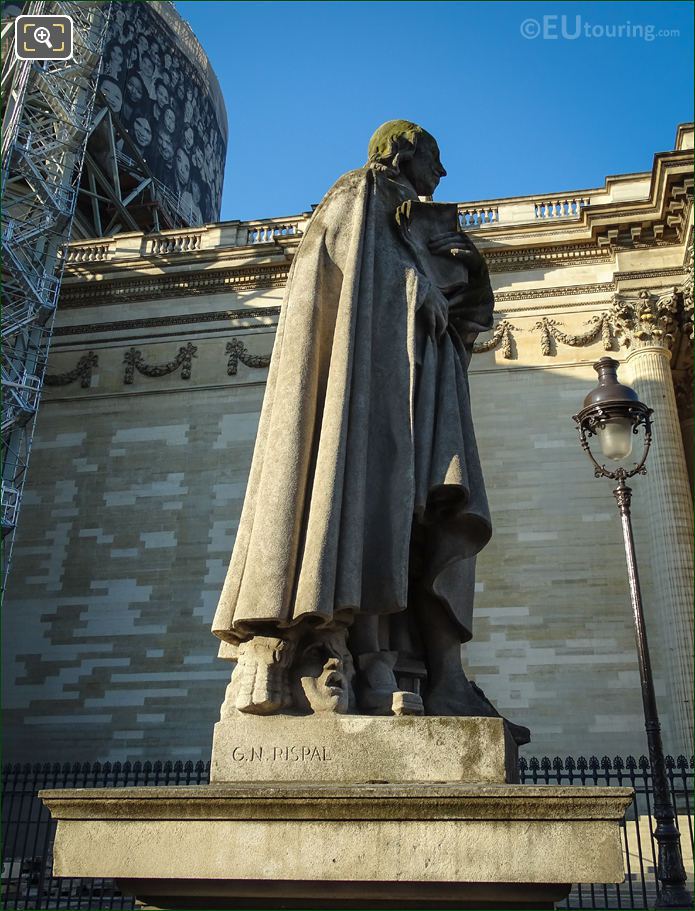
[406, 148]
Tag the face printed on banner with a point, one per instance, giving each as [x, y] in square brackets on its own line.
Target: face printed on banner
[116, 57]
[183, 167]
[134, 89]
[162, 95]
[146, 67]
[112, 94]
[165, 145]
[169, 120]
[132, 57]
[143, 132]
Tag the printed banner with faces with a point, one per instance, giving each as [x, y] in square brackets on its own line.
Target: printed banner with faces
[170, 105]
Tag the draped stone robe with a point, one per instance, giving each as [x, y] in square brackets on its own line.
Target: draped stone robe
[366, 424]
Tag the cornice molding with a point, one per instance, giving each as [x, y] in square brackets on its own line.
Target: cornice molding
[109, 292]
[564, 291]
[564, 255]
[156, 322]
[92, 293]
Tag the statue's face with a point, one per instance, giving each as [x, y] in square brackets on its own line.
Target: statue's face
[424, 170]
[321, 681]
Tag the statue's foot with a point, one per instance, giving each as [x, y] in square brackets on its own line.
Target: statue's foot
[390, 702]
[405, 703]
[378, 691]
[259, 683]
[466, 699]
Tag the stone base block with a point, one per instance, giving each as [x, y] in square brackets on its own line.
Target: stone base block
[340, 896]
[331, 846]
[362, 748]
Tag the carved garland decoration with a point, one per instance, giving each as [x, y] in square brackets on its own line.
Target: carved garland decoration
[238, 351]
[501, 335]
[82, 371]
[550, 330]
[134, 361]
[651, 317]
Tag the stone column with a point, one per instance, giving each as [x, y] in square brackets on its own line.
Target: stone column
[684, 385]
[684, 400]
[648, 322]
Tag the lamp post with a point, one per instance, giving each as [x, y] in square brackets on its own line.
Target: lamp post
[614, 414]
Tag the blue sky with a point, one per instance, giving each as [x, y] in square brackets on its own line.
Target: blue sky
[306, 83]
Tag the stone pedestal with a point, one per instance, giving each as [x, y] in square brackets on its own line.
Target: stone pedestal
[362, 748]
[409, 829]
[183, 847]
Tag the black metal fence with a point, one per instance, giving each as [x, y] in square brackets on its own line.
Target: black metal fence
[28, 832]
[640, 888]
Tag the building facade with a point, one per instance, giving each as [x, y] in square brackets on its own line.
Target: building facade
[144, 441]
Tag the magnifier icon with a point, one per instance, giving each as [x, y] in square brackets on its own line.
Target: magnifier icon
[43, 36]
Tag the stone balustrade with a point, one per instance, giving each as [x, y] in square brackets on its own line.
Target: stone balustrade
[91, 251]
[473, 216]
[569, 207]
[476, 217]
[268, 231]
[173, 242]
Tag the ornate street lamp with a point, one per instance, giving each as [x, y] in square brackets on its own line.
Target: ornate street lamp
[613, 414]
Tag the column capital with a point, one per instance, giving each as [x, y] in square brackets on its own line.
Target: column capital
[646, 318]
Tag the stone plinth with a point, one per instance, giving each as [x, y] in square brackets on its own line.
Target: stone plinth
[362, 748]
[236, 845]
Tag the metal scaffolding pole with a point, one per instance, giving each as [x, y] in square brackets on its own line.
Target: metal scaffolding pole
[48, 109]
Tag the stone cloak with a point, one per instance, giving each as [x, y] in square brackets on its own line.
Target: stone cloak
[366, 423]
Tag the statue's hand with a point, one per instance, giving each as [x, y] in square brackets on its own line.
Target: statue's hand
[403, 213]
[461, 246]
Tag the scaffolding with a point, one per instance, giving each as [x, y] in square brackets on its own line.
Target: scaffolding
[118, 191]
[47, 118]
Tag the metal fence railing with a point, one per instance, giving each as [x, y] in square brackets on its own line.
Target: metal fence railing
[28, 831]
[640, 888]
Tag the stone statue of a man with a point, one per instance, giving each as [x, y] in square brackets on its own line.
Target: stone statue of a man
[365, 505]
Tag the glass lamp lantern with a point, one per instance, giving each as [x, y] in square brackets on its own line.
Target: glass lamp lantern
[613, 415]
